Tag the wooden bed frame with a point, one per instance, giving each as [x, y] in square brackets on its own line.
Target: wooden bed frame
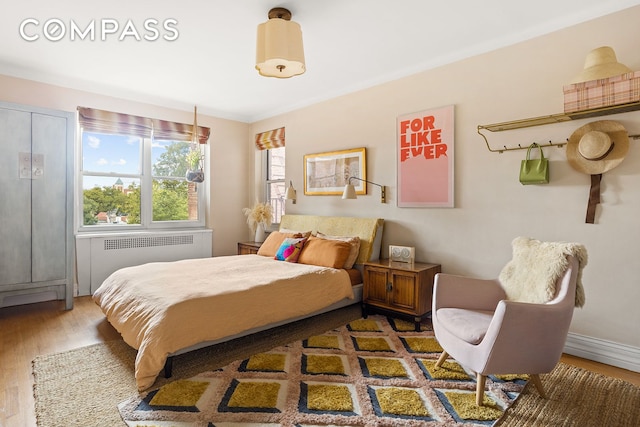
[369, 230]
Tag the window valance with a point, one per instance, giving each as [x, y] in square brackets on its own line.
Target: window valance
[270, 139]
[95, 120]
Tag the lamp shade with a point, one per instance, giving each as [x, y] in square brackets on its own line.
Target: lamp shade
[291, 193]
[279, 50]
[349, 192]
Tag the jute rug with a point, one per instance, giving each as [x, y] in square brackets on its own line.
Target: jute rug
[83, 387]
[576, 398]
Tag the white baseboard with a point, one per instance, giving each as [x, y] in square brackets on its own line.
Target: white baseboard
[603, 351]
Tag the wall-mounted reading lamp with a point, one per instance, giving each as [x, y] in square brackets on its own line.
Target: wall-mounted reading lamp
[350, 191]
[291, 193]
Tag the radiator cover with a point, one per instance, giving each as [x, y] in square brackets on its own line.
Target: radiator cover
[100, 255]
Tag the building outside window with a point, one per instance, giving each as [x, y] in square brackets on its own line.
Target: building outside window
[275, 182]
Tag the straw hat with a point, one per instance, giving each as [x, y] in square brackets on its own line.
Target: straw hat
[597, 147]
[600, 64]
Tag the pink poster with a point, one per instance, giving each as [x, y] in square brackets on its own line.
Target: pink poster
[425, 158]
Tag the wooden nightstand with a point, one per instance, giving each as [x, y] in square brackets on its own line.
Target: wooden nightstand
[246, 248]
[399, 287]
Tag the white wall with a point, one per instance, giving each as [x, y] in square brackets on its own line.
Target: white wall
[491, 206]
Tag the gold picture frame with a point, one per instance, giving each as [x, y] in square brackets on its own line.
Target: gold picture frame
[328, 173]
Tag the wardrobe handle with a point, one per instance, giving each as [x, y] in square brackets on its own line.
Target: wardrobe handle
[37, 165]
[30, 166]
[24, 165]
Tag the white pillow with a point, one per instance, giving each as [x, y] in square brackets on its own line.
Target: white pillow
[287, 231]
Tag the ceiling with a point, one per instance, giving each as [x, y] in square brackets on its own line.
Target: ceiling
[349, 45]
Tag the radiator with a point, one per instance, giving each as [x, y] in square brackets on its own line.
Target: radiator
[100, 255]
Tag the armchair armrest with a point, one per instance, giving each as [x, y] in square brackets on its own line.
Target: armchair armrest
[466, 292]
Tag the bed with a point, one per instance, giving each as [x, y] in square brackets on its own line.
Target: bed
[164, 309]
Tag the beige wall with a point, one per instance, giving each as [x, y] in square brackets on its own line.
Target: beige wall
[491, 206]
[227, 181]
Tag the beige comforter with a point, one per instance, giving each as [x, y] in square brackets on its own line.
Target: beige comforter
[160, 308]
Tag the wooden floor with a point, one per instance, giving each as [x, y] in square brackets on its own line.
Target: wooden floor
[30, 330]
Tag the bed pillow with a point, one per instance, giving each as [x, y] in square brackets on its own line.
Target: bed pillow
[290, 249]
[325, 253]
[305, 234]
[354, 241]
[273, 241]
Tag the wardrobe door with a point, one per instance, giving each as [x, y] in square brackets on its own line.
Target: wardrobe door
[15, 207]
[49, 197]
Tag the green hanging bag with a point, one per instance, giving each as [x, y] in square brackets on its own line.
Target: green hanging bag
[534, 171]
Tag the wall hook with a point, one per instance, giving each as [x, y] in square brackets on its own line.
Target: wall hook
[519, 147]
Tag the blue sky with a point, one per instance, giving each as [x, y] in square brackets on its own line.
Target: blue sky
[105, 153]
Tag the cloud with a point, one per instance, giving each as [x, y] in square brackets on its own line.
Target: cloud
[120, 162]
[93, 141]
[103, 161]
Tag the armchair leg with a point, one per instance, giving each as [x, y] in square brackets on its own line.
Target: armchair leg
[480, 383]
[441, 359]
[535, 378]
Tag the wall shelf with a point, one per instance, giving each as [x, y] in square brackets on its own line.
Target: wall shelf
[551, 119]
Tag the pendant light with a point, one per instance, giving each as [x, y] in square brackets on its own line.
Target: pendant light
[279, 50]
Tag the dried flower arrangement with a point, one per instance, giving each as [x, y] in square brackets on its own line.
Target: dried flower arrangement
[260, 213]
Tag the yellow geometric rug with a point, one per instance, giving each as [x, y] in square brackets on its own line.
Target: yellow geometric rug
[375, 371]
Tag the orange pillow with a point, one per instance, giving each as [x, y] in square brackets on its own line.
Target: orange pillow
[272, 243]
[353, 241]
[325, 253]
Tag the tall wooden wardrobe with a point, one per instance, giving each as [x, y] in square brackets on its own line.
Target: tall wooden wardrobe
[36, 206]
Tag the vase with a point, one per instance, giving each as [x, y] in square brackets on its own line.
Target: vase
[260, 234]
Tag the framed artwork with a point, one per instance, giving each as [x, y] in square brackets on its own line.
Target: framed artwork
[425, 153]
[328, 173]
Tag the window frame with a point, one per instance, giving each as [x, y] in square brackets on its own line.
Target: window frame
[267, 183]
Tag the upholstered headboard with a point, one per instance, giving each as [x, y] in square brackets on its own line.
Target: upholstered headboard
[369, 230]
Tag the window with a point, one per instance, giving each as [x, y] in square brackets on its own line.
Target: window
[111, 179]
[132, 176]
[275, 183]
[271, 143]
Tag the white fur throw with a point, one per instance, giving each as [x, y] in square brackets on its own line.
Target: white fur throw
[532, 273]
